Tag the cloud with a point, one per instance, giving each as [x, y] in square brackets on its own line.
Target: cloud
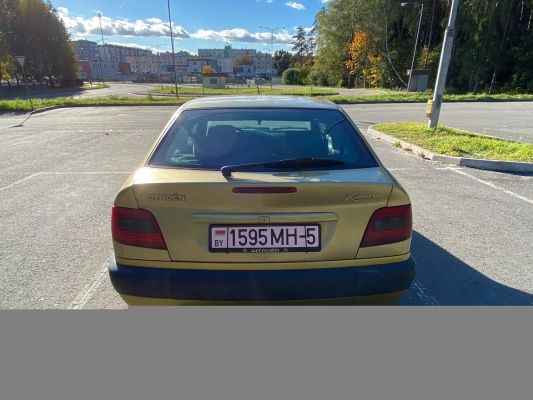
[154, 27]
[151, 27]
[295, 5]
[242, 36]
[324, 1]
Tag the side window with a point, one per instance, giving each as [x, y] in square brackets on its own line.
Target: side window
[340, 146]
[181, 144]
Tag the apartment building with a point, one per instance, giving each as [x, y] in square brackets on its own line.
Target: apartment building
[227, 57]
[115, 53]
[85, 49]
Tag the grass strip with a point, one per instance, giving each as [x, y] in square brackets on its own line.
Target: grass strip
[23, 92]
[424, 97]
[261, 90]
[454, 142]
[19, 105]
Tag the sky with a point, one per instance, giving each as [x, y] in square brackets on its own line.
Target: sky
[204, 24]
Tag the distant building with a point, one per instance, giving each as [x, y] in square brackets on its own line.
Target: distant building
[164, 64]
[214, 80]
[226, 52]
[96, 70]
[115, 53]
[88, 50]
[227, 57]
[85, 49]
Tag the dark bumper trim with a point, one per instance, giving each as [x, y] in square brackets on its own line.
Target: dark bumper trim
[270, 285]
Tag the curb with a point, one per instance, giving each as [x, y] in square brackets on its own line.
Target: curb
[490, 165]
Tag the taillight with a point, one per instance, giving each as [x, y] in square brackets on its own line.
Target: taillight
[388, 225]
[136, 227]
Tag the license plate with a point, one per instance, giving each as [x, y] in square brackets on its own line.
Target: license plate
[264, 238]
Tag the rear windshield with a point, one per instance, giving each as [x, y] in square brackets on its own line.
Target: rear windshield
[211, 139]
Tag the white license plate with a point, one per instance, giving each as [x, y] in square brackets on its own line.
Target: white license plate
[264, 238]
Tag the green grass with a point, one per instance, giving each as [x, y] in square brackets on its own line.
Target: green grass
[424, 97]
[55, 90]
[252, 90]
[454, 142]
[19, 105]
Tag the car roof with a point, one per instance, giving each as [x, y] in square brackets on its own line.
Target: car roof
[259, 102]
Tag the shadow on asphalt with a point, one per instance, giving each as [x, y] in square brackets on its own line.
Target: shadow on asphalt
[453, 282]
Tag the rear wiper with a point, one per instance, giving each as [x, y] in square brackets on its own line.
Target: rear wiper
[288, 163]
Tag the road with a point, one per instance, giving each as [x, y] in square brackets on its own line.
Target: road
[121, 89]
[60, 171]
[509, 120]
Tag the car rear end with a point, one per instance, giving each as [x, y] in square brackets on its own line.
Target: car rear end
[279, 233]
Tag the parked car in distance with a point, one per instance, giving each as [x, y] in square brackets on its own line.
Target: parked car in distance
[261, 200]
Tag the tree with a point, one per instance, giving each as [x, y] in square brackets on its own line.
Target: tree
[33, 28]
[291, 76]
[247, 59]
[493, 43]
[8, 38]
[282, 61]
[299, 46]
[361, 50]
[208, 69]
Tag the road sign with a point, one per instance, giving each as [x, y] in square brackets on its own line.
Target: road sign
[20, 60]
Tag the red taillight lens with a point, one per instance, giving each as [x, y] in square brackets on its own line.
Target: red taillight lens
[388, 225]
[136, 227]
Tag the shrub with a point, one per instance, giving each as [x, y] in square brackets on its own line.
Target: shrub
[291, 76]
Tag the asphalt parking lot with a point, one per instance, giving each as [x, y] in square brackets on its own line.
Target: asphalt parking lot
[60, 171]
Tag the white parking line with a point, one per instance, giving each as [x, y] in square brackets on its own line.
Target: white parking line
[83, 173]
[491, 185]
[59, 173]
[84, 296]
[16, 144]
[22, 180]
[420, 291]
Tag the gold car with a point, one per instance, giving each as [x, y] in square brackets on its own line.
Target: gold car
[261, 200]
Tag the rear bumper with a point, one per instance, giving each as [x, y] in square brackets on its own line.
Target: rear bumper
[261, 286]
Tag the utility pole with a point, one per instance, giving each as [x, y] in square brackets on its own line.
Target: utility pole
[271, 48]
[443, 66]
[103, 48]
[173, 52]
[268, 52]
[102, 33]
[99, 59]
[416, 42]
[159, 64]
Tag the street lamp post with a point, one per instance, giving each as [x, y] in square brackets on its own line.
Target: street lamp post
[100, 58]
[159, 64]
[268, 52]
[271, 47]
[416, 42]
[173, 52]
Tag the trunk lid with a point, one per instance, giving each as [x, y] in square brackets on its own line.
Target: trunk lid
[187, 202]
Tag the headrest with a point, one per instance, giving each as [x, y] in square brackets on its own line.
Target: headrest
[304, 143]
[219, 141]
